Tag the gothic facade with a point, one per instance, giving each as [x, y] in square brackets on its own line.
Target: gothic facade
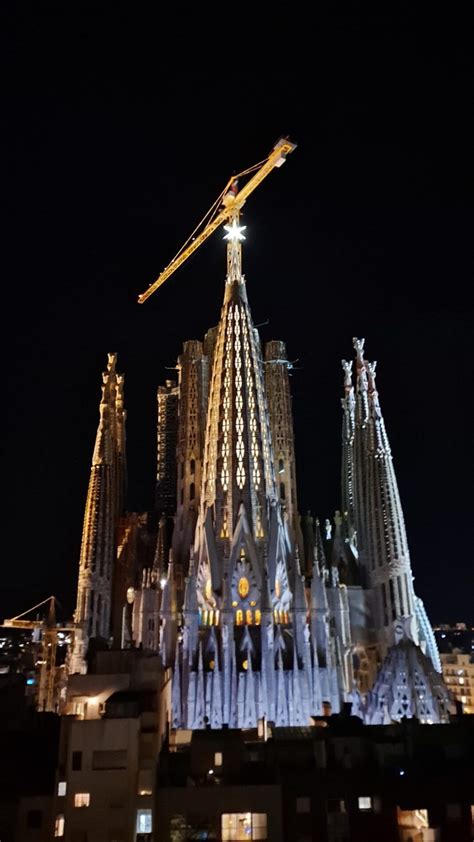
[260, 614]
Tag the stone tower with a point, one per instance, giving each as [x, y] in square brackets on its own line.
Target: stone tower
[277, 387]
[193, 371]
[104, 504]
[374, 521]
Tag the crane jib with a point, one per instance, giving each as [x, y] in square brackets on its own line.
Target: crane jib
[276, 158]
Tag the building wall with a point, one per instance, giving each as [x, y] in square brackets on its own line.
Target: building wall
[202, 808]
[117, 720]
[34, 818]
[458, 673]
[339, 781]
[112, 792]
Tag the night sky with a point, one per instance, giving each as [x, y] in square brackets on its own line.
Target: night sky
[114, 151]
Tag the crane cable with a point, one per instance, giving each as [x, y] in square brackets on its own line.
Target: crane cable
[211, 213]
[33, 608]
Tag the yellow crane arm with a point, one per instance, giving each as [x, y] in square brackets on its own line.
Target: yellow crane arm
[275, 159]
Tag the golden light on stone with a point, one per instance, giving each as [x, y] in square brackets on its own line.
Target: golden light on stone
[208, 589]
[245, 664]
[244, 587]
[235, 603]
[277, 588]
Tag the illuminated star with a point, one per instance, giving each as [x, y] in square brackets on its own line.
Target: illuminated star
[234, 232]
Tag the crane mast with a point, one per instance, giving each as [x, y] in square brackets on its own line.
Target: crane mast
[48, 631]
[232, 204]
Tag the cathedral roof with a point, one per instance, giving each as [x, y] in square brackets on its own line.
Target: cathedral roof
[407, 685]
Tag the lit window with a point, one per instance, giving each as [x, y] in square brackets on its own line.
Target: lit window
[243, 826]
[62, 786]
[218, 758]
[144, 821]
[303, 805]
[82, 799]
[79, 709]
[59, 825]
[365, 803]
[413, 818]
[145, 782]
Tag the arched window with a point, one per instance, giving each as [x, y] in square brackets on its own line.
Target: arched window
[281, 466]
[192, 466]
[282, 490]
[239, 617]
[192, 491]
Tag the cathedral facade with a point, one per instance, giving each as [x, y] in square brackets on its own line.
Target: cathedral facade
[260, 615]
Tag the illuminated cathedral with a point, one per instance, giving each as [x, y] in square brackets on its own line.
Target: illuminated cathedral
[260, 614]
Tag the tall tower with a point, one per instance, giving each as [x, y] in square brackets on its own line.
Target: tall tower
[238, 462]
[193, 389]
[246, 650]
[277, 386]
[103, 506]
[167, 398]
[374, 512]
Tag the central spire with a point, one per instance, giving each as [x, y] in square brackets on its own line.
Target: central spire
[234, 237]
[238, 464]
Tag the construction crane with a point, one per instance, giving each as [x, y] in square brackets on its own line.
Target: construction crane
[226, 208]
[48, 629]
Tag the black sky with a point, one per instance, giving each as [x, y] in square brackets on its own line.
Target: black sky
[119, 132]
